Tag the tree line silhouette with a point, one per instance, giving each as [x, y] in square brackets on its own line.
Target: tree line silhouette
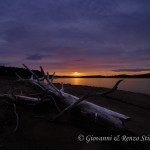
[11, 72]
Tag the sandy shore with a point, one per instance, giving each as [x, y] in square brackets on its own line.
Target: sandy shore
[34, 133]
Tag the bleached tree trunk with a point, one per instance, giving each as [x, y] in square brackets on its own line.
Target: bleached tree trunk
[94, 113]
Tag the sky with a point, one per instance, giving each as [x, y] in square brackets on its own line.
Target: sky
[76, 37]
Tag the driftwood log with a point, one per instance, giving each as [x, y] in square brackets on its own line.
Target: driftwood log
[94, 113]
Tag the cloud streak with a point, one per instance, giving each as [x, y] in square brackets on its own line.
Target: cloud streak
[130, 70]
[36, 57]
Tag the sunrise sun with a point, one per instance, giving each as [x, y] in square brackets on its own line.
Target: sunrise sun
[76, 73]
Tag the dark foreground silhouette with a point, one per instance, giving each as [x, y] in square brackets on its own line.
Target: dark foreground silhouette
[35, 133]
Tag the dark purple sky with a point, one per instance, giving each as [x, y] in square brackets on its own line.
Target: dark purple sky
[86, 36]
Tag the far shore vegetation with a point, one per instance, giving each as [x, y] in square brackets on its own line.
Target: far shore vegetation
[11, 72]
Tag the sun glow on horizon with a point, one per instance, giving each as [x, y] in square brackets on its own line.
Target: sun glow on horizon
[94, 73]
[76, 74]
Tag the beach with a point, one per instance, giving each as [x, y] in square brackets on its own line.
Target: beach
[35, 133]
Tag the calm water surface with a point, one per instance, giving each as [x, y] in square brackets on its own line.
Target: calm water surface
[140, 85]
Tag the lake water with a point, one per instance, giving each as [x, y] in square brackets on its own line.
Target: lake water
[139, 85]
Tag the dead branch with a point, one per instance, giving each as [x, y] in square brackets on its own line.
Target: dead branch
[31, 72]
[17, 118]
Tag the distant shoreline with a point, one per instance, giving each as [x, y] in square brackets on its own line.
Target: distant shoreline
[127, 76]
[11, 72]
